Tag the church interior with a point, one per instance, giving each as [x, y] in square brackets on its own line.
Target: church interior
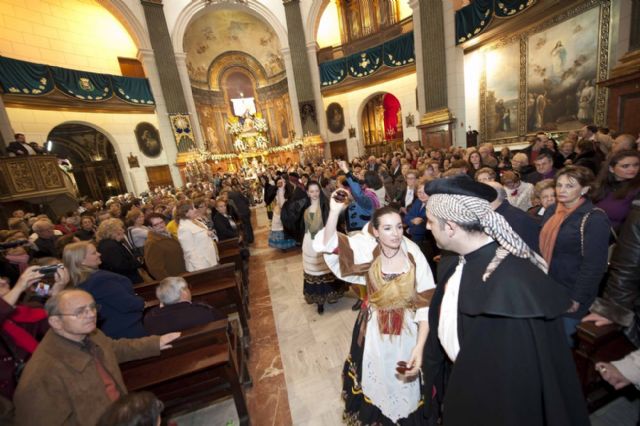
[155, 98]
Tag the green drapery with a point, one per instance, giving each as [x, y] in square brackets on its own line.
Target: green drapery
[364, 63]
[83, 85]
[24, 78]
[474, 18]
[30, 79]
[398, 52]
[132, 90]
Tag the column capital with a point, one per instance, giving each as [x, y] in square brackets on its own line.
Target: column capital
[180, 56]
[145, 54]
[414, 4]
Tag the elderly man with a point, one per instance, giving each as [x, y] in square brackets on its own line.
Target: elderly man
[176, 311]
[495, 327]
[163, 254]
[73, 375]
[46, 241]
[624, 142]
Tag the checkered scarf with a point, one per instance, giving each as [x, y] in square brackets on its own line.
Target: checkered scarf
[466, 209]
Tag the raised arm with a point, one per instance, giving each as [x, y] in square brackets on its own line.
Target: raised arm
[335, 209]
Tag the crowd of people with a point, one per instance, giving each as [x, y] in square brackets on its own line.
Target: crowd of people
[462, 260]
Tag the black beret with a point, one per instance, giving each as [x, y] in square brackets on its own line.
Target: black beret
[461, 185]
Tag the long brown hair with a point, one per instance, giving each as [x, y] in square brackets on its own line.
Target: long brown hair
[607, 182]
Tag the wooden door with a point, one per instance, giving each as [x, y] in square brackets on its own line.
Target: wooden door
[158, 176]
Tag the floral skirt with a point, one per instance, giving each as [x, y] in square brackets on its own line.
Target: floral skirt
[279, 240]
[322, 289]
[358, 409]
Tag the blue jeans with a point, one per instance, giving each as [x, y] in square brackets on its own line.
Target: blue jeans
[570, 325]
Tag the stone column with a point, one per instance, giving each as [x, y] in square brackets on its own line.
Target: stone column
[6, 131]
[181, 62]
[634, 35]
[169, 76]
[436, 123]
[312, 49]
[301, 72]
[170, 149]
[293, 96]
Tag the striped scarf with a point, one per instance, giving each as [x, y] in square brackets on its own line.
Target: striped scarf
[466, 209]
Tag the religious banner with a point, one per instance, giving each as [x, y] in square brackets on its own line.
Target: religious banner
[365, 63]
[474, 18]
[24, 78]
[182, 132]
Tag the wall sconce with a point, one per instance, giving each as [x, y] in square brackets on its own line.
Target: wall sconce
[352, 132]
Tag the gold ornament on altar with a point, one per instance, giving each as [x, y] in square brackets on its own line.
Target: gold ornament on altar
[249, 133]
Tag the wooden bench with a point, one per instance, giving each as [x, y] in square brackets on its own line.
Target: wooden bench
[596, 344]
[199, 368]
[230, 252]
[217, 286]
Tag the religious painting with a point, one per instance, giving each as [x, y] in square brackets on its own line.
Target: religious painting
[545, 77]
[335, 118]
[148, 139]
[501, 100]
[562, 66]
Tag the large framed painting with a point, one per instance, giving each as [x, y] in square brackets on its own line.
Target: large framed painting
[148, 139]
[545, 78]
[562, 71]
[502, 93]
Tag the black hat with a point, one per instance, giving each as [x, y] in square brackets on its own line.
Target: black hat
[461, 185]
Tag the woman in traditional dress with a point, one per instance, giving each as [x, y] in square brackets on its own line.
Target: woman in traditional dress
[380, 377]
[320, 285]
[277, 238]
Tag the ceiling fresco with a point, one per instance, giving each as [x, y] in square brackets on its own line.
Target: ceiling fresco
[215, 33]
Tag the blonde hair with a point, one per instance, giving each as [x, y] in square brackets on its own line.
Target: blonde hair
[72, 257]
[108, 228]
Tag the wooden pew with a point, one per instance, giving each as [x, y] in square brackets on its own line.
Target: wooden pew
[217, 286]
[229, 251]
[198, 369]
[595, 344]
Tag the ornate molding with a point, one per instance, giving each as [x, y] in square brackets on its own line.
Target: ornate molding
[437, 116]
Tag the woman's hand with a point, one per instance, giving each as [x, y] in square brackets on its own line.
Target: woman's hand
[417, 220]
[612, 375]
[598, 320]
[29, 277]
[415, 362]
[574, 307]
[61, 279]
[338, 206]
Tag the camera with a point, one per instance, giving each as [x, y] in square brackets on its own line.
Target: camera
[13, 244]
[341, 196]
[50, 270]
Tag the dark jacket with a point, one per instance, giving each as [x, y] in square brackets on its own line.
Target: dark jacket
[178, 317]
[85, 235]
[47, 247]
[590, 160]
[241, 203]
[524, 225]
[117, 258]
[535, 177]
[579, 262]
[223, 227]
[17, 148]
[120, 308]
[621, 299]
[163, 256]
[416, 232]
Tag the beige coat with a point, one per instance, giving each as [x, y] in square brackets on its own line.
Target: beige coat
[60, 384]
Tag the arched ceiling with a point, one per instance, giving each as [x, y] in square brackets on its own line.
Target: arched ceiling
[212, 34]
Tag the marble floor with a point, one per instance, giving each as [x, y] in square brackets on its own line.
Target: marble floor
[297, 355]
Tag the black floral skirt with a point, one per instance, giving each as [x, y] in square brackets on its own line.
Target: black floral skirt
[321, 289]
[358, 409]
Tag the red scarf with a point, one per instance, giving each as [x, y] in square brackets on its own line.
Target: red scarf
[21, 337]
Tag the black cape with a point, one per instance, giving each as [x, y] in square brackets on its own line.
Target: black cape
[514, 366]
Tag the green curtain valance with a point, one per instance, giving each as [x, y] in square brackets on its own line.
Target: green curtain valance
[364, 63]
[474, 18]
[30, 79]
[24, 78]
[393, 53]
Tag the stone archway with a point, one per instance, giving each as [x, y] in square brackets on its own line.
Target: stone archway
[380, 118]
[93, 157]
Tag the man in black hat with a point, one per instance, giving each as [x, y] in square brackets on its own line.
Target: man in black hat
[496, 352]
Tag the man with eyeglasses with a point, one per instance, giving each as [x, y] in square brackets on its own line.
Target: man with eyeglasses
[73, 375]
[163, 254]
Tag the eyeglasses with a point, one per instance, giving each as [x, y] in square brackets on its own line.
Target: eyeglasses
[83, 312]
[154, 225]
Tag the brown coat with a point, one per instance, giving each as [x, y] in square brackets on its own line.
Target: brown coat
[60, 384]
[163, 256]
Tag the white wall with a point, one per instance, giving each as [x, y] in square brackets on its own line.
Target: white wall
[37, 124]
[403, 88]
